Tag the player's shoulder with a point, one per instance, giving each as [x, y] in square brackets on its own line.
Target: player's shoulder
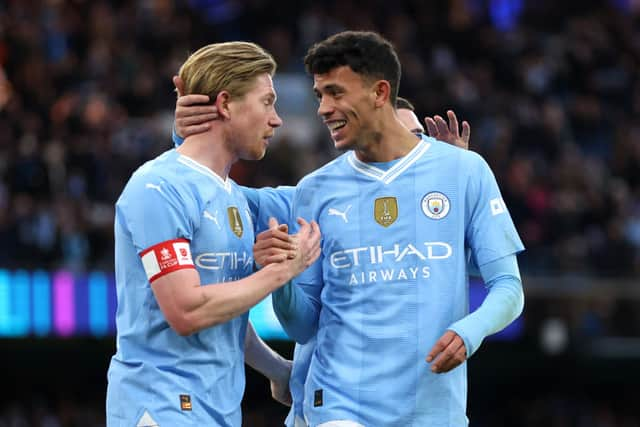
[331, 170]
[465, 158]
[162, 176]
[159, 169]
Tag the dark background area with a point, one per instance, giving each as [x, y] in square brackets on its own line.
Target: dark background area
[552, 92]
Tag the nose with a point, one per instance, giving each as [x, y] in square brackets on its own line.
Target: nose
[325, 108]
[275, 121]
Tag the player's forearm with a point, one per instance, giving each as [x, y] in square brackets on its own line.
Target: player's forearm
[209, 305]
[502, 305]
[297, 311]
[263, 359]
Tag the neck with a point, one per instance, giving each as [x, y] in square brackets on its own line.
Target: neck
[210, 149]
[390, 142]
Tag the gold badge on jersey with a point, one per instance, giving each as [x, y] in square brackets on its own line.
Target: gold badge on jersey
[385, 211]
[235, 223]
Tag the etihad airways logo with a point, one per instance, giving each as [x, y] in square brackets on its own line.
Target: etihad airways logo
[368, 255]
[224, 260]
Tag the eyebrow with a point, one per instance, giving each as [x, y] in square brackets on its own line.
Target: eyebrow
[331, 88]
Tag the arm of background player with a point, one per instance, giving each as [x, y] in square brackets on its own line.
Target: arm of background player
[502, 305]
[263, 359]
[193, 113]
[189, 307]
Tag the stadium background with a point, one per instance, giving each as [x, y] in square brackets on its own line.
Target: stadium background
[552, 92]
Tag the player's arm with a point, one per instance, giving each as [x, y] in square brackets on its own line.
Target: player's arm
[190, 307]
[494, 242]
[297, 304]
[438, 128]
[269, 202]
[502, 305]
[297, 307]
[193, 113]
[263, 359]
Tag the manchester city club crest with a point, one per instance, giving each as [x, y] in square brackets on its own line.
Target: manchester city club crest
[435, 205]
[385, 211]
[235, 222]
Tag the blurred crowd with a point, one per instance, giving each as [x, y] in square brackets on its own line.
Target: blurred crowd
[551, 89]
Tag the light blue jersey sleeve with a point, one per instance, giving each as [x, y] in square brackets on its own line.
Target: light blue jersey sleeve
[494, 242]
[268, 202]
[502, 305]
[154, 211]
[490, 233]
[297, 304]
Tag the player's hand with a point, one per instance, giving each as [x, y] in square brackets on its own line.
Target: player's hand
[447, 353]
[274, 245]
[308, 242]
[437, 128]
[280, 388]
[192, 115]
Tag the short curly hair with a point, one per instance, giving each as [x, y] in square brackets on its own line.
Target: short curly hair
[367, 53]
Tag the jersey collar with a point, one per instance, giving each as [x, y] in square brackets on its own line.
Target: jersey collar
[387, 176]
[189, 162]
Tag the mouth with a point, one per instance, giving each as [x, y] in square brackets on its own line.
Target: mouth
[335, 126]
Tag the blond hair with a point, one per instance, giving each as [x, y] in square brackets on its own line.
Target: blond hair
[229, 66]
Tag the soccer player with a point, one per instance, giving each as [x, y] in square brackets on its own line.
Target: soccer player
[184, 260]
[276, 202]
[391, 286]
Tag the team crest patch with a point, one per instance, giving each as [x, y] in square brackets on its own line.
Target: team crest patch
[385, 211]
[185, 402]
[435, 205]
[235, 222]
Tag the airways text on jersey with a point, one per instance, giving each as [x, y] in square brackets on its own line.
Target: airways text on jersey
[396, 262]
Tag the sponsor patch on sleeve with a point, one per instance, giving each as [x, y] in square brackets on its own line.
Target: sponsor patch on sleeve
[166, 257]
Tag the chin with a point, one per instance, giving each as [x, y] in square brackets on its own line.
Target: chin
[343, 145]
[258, 155]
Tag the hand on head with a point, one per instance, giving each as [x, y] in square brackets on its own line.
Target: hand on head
[193, 113]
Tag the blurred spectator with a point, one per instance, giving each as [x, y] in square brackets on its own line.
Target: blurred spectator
[551, 90]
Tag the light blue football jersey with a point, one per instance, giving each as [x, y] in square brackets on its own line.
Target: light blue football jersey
[392, 277]
[157, 375]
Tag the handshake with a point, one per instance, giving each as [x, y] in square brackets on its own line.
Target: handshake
[298, 251]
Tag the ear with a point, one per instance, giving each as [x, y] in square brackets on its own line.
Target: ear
[179, 84]
[382, 92]
[222, 104]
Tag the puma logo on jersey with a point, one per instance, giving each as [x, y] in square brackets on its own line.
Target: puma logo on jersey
[146, 421]
[213, 217]
[153, 186]
[343, 215]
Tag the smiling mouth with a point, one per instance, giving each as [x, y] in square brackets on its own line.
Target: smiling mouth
[335, 125]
